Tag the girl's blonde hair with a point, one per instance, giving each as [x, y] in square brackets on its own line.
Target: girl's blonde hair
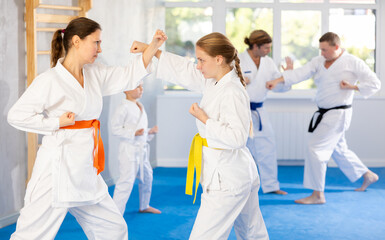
[215, 44]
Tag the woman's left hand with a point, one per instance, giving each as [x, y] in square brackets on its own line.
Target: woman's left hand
[198, 112]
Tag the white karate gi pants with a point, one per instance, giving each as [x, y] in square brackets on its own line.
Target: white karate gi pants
[328, 140]
[262, 147]
[129, 171]
[38, 220]
[220, 210]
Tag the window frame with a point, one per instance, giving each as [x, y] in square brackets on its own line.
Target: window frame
[219, 24]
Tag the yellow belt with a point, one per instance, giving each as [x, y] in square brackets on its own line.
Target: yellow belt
[195, 162]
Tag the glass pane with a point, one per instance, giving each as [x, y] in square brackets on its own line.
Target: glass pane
[258, 1]
[301, 31]
[357, 30]
[354, 1]
[302, 1]
[184, 26]
[240, 22]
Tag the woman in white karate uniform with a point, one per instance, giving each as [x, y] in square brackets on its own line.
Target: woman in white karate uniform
[230, 179]
[129, 122]
[337, 75]
[64, 104]
[258, 68]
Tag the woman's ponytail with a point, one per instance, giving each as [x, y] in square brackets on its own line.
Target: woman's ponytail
[57, 48]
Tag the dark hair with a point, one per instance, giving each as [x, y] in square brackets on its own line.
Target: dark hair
[331, 38]
[215, 44]
[258, 37]
[60, 44]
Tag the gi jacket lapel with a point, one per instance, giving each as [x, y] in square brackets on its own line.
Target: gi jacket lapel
[68, 77]
[214, 88]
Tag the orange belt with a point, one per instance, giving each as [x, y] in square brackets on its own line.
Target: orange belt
[98, 143]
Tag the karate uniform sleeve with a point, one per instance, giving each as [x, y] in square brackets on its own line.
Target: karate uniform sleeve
[300, 74]
[28, 112]
[181, 71]
[281, 87]
[120, 125]
[231, 130]
[115, 80]
[368, 82]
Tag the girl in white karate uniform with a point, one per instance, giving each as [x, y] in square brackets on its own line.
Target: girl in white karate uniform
[64, 104]
[129, 122]
[230, 179]
[337, 75]
[258, 68]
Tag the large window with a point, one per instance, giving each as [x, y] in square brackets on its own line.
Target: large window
[295, 25]
[300, 31]
[360, 38]
[240, 21]
[184, 26]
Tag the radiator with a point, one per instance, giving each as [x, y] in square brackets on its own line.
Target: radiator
[290, 129]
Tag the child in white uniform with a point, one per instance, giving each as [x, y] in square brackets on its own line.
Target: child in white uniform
[130, 123]
[230, 179]
[64, 104]
[337, 75]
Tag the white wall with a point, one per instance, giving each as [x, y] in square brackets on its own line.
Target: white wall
[122, 23]
[12, 85]
[366, 136]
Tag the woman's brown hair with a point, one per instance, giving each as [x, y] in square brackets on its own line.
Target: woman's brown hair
[215, 44]
[61, 40]
[258, 37]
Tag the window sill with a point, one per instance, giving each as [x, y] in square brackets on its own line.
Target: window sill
[292, 94]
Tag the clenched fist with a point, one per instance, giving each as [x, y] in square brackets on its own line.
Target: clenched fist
[67, 119]
[198, 112]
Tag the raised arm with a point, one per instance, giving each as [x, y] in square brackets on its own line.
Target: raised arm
[152, 49]
[290, 77]
[181, 71]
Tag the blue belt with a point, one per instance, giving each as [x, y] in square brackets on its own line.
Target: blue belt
[321, 112]
[254, 107]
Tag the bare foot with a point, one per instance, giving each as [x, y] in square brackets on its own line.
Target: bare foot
[315, 198]
[279, 192]
[369, 178]
[150, 210]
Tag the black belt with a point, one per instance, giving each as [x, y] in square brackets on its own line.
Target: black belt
[254, 107]
[321, 112]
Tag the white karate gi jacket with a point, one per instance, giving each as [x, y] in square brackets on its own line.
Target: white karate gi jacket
[259, 76]
[227, 106]
[127, 119]
[68, 153]
[329, 93]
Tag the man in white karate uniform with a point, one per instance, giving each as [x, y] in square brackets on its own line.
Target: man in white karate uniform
[258, 68]
[337, 75]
